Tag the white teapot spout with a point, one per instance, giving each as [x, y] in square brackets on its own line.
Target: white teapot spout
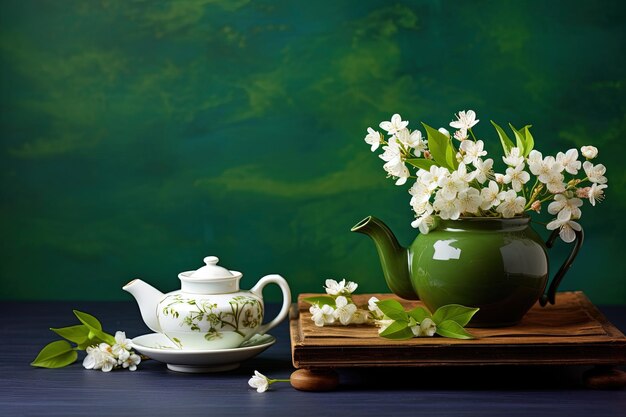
[148, 299]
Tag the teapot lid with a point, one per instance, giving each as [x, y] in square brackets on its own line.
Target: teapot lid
[211, 270]
[210, 279]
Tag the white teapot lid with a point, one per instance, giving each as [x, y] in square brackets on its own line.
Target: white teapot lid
[211, 270]
[210, 279]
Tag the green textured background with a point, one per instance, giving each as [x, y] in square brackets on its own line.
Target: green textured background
[138, 137]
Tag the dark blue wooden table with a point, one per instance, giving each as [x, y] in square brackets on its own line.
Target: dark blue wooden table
[154, 391]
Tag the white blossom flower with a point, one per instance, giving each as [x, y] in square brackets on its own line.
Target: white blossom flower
[122, 344]
[473, 150]
[589, 152]
[372, 138]
[451, 185]
[259, 382]
[424, 223]
[490, 196]
[468, 200]
[395, 125]
[569, 161]
[426, 328]
[511, 204]
[131, 362]
[499, 178]
[373, 308]
[595, 173]
[432, 177]
[555, 184]
[394, 161]
[413, 140]
[100, 357]
[420, 192]
[460, 135]
[546, 169]
[562, 203]
[447, 208]
[465, 120]
[517, 177]
[344, 310]
[463, 174]
[340, 288]
[514, 158]
[484, 169]
[596, 193]
[322, 315]
[568, 227]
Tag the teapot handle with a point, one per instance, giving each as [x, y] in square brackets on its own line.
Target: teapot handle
[551, 294]
[284, 287]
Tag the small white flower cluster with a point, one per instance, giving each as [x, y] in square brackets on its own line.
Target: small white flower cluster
[345, 311]
[106, 357]
[474, 189]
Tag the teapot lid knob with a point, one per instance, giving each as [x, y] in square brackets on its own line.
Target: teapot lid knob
[211, 270]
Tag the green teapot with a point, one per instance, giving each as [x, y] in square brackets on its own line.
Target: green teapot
[498, 265]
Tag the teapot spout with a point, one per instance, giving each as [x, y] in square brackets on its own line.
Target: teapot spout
[393, 257]
[148, 299]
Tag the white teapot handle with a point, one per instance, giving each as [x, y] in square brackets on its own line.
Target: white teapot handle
[258, 290]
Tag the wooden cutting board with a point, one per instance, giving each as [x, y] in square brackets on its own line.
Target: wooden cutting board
[571, 332]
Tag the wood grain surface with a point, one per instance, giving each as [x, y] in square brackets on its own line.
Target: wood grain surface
[570, 332]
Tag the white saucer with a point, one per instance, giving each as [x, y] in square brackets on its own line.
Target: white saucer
[158, 347]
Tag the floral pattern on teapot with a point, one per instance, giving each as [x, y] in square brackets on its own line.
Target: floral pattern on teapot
[205, 316]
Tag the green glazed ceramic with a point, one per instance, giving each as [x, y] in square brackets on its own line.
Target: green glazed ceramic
[497, 265]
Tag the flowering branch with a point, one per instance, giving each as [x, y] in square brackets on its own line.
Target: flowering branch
[104, 351]
[453, 183]
[389, 315]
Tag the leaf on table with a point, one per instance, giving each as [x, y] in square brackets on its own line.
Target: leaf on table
[55, 355]
[397, 331]
[452, 329]
[95, 327]
[393, 309]
[419, 314]
[455, 312]
[77, 334]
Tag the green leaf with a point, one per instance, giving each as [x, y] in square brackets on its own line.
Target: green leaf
[422, 163]
[419, 314]
[88, 320]
[507, 143]
[520, 139]
[393, 310]
[453, 330]
[321, 300]
[455, 312]
[55, 355]
[529, 141]
[77, 334]
[95, 328]
[397, 331]
[441, 148]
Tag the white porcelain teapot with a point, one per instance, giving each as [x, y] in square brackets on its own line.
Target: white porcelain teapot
[209, 311]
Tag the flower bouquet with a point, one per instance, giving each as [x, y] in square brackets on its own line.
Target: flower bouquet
[455, 178]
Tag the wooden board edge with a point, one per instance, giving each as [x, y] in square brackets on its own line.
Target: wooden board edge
[608, 327]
